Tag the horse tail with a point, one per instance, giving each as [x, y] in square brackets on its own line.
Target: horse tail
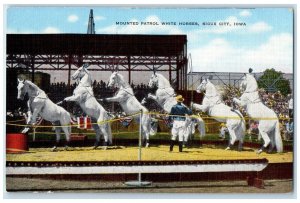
[108, 126]
[201, 126]
[278, 140]
[242, 126]
[70, 123]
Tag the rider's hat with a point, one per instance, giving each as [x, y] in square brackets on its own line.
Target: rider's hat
[179, 98]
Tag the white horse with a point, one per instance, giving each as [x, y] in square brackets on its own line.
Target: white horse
[215, 107]
[267, 118]
[83, 94]
[39, 104]
[165, 97]
[129, 103]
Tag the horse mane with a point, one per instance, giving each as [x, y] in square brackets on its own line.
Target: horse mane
[163, 78]
[212, 87]
[121, 77]
[32, 85]
[89, 76]
[251, 83]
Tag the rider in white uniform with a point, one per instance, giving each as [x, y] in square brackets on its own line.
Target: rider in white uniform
[179, 112]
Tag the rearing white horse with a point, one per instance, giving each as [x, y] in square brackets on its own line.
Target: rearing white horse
[165, 97]
[267, 118]
[129, 103]
[215, 107]
[83, 94]
[39, 104]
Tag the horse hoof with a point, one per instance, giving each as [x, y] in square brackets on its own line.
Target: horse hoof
[228, 148]
[66, 148]
[95, 147]
[54, 149]
[259, 151]
[147, 145]
[105, 148]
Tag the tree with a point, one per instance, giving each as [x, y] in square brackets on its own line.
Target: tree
[273, 81]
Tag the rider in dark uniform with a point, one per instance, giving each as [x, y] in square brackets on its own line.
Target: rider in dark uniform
[179, 112]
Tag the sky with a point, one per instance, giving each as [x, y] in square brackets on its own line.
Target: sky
[262, 39]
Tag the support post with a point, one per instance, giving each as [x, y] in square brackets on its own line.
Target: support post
[32, 69]
[139, 182]
[129, 70]
[170, 70]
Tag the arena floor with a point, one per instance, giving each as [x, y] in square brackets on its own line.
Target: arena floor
[155, 153]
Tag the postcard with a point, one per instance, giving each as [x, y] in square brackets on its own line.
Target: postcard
[120, 99]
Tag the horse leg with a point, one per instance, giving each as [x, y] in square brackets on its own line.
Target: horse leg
[152, 96]
[105, 129]
[232, 138]
[240, 132]
[240, 137]
[98, 133]
[65, 122]
[35, 113]
[146, 126]
[200, 127]
[272, 143]
[199, 107]
[57, 132]
[266, 139]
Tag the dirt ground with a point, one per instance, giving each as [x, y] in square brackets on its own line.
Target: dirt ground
[155, 153]
[75, 186]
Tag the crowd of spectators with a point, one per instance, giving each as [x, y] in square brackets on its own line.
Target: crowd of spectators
[58, 91]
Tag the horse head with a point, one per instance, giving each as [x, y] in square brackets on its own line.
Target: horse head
[248, 83]
[80, 72]
[202, 86]
[114, 79]
[83, 75]
[153, 80]
[21, 89]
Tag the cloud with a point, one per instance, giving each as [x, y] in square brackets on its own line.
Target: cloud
[98, 18]
[259, 27]
[142, 29]
[17, 31]
[220, 56]
[51, 30]
[245, 13]
[72, 18]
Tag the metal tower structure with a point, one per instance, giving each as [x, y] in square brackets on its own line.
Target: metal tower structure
[91, 24]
